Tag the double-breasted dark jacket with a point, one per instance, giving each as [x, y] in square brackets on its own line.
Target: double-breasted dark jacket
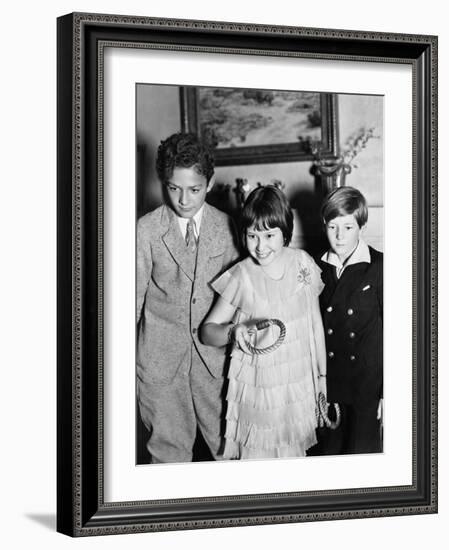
[352, 311]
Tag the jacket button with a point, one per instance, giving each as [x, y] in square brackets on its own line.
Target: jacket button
[193, 300]
[330, 354]
[329, 309]
[352, 335]
[352, 358]
[330, 331]
[350, 311]
[194, 331]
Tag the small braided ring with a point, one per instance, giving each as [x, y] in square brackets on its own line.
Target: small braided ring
[332, 424]
[260, 325]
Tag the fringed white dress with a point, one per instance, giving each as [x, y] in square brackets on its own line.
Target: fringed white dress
[271, 399]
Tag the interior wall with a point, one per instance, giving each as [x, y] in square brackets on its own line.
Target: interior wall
[158, 115]
[358, 112]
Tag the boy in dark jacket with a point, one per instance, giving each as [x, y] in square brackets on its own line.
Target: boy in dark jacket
[352, 310]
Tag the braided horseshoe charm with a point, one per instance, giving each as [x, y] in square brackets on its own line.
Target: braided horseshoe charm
[260, 325]
[322, 407]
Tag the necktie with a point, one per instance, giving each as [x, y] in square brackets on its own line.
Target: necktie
[190, 234]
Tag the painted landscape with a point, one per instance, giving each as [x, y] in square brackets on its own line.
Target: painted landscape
[231, 117]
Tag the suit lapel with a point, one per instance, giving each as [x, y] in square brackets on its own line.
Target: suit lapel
[210, 243]
[350, 280]
[175, 244]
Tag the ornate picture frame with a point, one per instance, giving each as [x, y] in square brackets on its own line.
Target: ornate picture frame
[82, 507]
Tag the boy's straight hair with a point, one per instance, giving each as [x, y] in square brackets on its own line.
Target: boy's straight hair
[343, 201]
[266, 208]
[183, 150]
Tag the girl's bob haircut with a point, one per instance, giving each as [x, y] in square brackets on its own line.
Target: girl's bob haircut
[267, 208]
[343, 201]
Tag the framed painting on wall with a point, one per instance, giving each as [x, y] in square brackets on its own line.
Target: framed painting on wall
[260, 126]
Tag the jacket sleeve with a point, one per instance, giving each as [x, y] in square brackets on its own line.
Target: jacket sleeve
[380, 297]
[381, 289]
[144, 265]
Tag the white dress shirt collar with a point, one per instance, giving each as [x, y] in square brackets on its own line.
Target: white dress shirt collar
[197, 219]
[361, 254]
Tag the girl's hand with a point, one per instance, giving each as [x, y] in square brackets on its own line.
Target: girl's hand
[243, 335]
[322, 386]
[322, 389]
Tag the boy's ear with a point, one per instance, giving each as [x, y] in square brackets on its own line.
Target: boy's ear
[210, 184]
[362, 229]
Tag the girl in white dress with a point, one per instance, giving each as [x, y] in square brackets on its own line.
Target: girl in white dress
[271, 398]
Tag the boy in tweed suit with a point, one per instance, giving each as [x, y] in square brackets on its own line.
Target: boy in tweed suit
[181, 247]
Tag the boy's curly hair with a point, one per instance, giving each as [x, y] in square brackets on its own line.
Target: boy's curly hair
[183, 150]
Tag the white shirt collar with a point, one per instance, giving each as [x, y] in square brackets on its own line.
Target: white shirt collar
[360, 254]
[196, 218]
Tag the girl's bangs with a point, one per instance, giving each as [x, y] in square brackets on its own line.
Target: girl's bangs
[264, 223]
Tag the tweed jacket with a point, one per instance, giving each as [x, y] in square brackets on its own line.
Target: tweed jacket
[352, 311]
[174, 297]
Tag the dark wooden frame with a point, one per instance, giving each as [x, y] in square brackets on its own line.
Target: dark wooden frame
[81, 507]
[259, 154]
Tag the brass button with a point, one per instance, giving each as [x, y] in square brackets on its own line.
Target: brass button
[352, 335]
[329, 309]
[330, 354]
[330, 331]
[350, 311]
[352, 358]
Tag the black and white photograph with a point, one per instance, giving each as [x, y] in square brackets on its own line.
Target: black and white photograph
[233, 350]
[227, 147]
[259, 273]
